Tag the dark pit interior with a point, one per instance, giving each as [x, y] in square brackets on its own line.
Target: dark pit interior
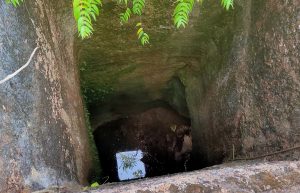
[152, 98]
[162, 134]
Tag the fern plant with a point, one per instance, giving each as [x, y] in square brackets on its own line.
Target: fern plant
[14, 2]
[85, 11]
[142, 36]
[182, 12]
[227, 4]
[185, 7]
[138, 6]
[123, 2]
[124, 17]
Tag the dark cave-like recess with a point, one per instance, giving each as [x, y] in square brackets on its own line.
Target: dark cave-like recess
[161, 133]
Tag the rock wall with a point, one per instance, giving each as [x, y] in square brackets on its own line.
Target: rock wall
[43, 137]
[252, 105]
[234, 73]
[281, 177]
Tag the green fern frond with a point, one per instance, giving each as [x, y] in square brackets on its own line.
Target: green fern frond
[142, 36]
[182, 12]
[227, 4]
[124, 17]
[123, 2]
[87, 10]
[138, 6]
[84, 11]
[200, 1]
[14, 2]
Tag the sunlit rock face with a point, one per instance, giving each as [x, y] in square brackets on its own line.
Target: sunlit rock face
[235, 74]
[43, 138]
[252, 105]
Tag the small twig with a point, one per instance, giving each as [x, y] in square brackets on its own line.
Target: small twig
[20, 69]
[268, 154]
[107, 178]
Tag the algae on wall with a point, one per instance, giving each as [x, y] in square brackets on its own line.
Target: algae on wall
[96, 170]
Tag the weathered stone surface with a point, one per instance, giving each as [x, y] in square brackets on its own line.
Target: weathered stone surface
[235, 74]
[128, 77]
[43, 139]
[230, 178]
[253, 102]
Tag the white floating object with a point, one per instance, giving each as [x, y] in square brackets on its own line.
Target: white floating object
[129, 165]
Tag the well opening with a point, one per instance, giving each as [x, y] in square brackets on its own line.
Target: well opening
[138, 96]
[160, 133]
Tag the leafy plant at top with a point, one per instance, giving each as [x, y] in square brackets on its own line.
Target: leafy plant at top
[123, 2]
[142, 36]
[182, 11]
[84, 11]
[227, 4]
[185, 7]
[124, 17]
[14, 2]
[138, 6]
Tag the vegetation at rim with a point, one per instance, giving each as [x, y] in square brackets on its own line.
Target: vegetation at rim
[85, 11]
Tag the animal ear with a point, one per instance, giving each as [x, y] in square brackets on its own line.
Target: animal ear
[173, 127]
